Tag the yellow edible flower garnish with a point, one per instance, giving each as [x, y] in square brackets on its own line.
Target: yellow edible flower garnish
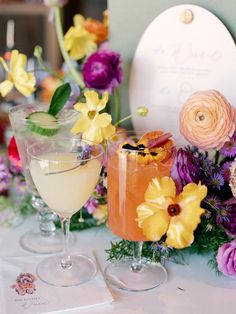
[164, 212]
[78, 41]
[94, 126]
[17, 76]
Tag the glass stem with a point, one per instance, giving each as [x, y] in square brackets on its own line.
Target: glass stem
[46, 217]
[66, 262]
[136, 265]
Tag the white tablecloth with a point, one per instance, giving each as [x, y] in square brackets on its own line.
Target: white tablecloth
[190, 289]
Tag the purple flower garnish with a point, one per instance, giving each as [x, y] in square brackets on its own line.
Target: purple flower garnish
[185, 169]
[85, 152]
[102, 71]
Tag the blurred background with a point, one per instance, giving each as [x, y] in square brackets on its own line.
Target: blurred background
[25, 24]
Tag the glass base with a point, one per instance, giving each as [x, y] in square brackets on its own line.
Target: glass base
[34, 242]
[51, 272]
[120, 275]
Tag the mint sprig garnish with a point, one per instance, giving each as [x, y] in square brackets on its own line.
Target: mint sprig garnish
[59, 98]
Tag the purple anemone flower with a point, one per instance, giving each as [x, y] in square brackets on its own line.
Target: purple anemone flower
[185, 169]
[102, 71]
[229, 148]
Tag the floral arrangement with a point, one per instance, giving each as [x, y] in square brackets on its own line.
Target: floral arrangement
[192, 210]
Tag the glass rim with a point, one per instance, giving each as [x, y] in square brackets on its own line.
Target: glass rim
[99, 155]
[41, 105]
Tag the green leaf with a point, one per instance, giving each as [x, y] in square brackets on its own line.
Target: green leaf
[59, 98]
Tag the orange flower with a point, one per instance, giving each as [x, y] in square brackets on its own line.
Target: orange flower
[207, 120]
[48, 86]
[97, 28]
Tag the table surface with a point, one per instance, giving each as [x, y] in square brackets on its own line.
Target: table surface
[193, 288]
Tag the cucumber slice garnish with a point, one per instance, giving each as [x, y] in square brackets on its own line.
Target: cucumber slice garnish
[42, 123]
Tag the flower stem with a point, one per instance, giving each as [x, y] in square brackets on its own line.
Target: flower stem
[117, 105]
[122, 120]
[66, 57]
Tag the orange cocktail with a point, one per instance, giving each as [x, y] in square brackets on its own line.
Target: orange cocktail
[130, 170]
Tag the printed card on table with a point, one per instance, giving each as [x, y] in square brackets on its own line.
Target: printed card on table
[23, 293]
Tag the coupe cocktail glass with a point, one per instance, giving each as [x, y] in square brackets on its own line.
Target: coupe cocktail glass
[129, 174]
[65, 172]
[45, 239]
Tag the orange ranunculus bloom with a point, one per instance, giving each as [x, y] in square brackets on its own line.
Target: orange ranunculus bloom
[97, 28]
[207, 120]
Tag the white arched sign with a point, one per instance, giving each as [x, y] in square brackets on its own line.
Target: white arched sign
[185, 49]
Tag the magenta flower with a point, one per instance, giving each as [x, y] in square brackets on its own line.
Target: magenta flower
[226, 259]
[102, 71]
[229, 147]
[53, 3]
[185, 169]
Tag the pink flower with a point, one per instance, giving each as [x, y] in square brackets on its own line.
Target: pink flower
[226, 259]
[207, 120]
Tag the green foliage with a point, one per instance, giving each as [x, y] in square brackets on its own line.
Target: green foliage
[59, 98]
[75, 225]
[26, 208]
[208, 238]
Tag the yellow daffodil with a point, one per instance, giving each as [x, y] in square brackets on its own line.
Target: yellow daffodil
[78, 41]
[164, 212]
[94, 126]
[17, 76]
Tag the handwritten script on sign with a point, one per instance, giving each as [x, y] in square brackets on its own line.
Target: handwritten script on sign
[176, 57]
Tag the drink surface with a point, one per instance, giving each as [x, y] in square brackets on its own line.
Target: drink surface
[25, 137]
[63, 182]
[127, 183]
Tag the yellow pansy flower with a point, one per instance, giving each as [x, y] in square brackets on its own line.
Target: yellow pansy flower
[17, 76]
[94, 126]
[164, 212]
[78, 41]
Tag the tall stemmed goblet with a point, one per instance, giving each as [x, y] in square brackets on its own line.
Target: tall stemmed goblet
[65, 172]
[130, 170]
[45, 239]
